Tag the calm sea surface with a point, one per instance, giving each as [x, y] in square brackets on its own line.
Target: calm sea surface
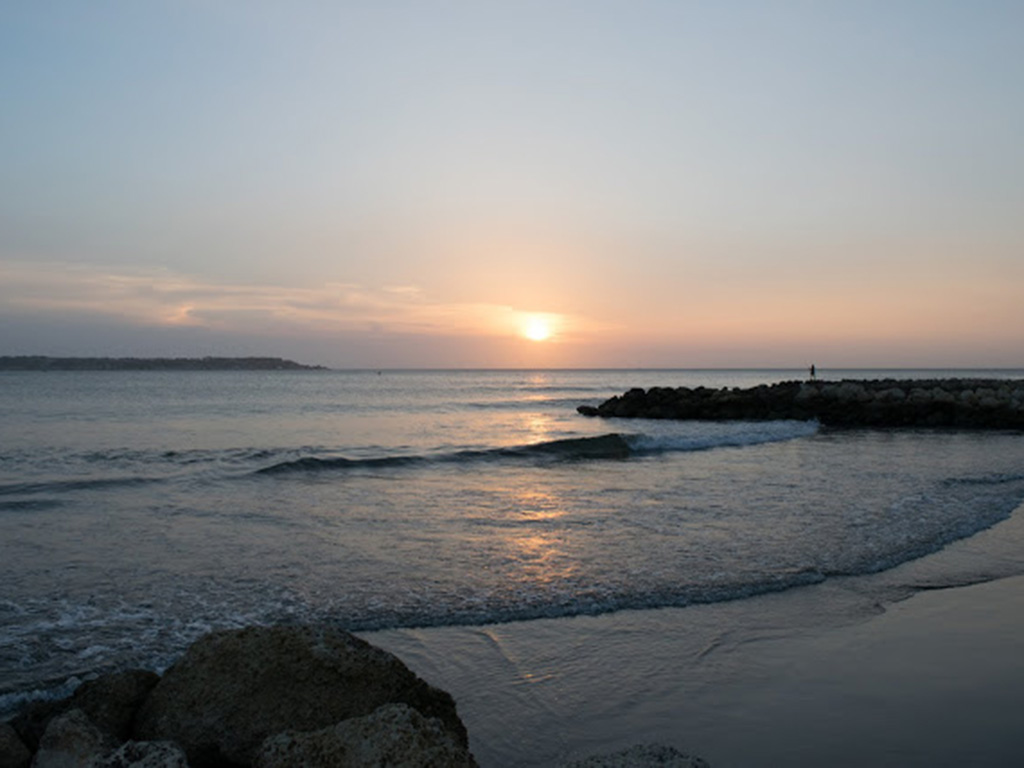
[138, 510]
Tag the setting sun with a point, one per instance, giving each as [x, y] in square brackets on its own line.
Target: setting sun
[537, 328]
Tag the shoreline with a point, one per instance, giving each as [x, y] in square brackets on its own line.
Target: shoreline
[851, 671]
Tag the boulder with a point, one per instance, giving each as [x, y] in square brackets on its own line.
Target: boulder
[641, 756]
[144, 754]
[807, 392]
[234, 688]
[111, 701]
[395, 735]
[891, 395]
[31, 722]
[13, 752]
[71, 741]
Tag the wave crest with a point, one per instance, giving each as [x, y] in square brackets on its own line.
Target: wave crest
[610, 446]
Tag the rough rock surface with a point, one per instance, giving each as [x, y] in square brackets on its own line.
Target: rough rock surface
[144, 754]
[111, 701]
[71, 741]
[31, 722]
[641, 756]
[13, 752]
[232, 689]
[395, 735]
[970, 403]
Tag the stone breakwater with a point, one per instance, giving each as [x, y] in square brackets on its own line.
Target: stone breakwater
[266, 697]
[965, 403]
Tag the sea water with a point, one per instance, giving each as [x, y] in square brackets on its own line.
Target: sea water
[139, 510]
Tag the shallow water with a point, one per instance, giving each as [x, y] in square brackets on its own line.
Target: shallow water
[139, 510]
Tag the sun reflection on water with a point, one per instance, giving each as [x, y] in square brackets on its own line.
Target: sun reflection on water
[539, 427]
[533, 540]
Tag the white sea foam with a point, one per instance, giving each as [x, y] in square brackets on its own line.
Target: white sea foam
[697, 436]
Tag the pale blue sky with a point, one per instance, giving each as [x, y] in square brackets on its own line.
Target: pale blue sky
[371, 184]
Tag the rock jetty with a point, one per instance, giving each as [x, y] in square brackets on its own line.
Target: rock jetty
[267, 697]
[962, 403]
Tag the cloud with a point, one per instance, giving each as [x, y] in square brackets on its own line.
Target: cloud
[162, 298]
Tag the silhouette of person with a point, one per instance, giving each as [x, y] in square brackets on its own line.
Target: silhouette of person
[812, 370]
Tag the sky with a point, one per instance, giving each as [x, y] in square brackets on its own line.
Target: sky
[515, 184]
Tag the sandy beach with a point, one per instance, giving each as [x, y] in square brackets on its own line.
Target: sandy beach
[894, 669]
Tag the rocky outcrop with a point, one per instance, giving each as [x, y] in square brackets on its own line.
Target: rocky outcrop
[395, 735]
[966, 403]
[233, 690]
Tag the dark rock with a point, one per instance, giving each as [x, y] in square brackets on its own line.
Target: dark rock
[71, 741]
[111, 701]
[641, 756]
[30, 723]
[13, 752]
[395, 735]
[232, 689]
[144, 754]
[973, 404]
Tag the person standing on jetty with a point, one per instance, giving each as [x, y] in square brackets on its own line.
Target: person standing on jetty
[813, 371]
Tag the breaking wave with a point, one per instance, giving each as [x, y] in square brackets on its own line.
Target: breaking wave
[612, 445]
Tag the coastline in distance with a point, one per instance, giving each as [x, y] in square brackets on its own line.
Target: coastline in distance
[44, 363]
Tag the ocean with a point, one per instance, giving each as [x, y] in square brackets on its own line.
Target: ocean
[139, 510]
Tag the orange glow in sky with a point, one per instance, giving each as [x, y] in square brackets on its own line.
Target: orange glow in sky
[537, 328]
[489, 206]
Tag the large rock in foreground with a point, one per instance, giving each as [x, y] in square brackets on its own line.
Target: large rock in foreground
[641, 756]
[109, 702]
[233, 689]
[13, 752]
[395, 735]
[965, 403]
[71, 740]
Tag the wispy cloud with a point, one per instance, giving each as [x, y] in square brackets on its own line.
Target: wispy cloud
[159, 297]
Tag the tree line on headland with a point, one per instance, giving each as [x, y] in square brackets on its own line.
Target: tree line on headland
[44, 363]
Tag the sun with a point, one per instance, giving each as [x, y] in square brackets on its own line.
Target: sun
[537, 328]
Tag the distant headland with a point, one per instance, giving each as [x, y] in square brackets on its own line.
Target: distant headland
[43, 363]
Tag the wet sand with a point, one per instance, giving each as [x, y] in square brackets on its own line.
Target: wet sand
[845, 673]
